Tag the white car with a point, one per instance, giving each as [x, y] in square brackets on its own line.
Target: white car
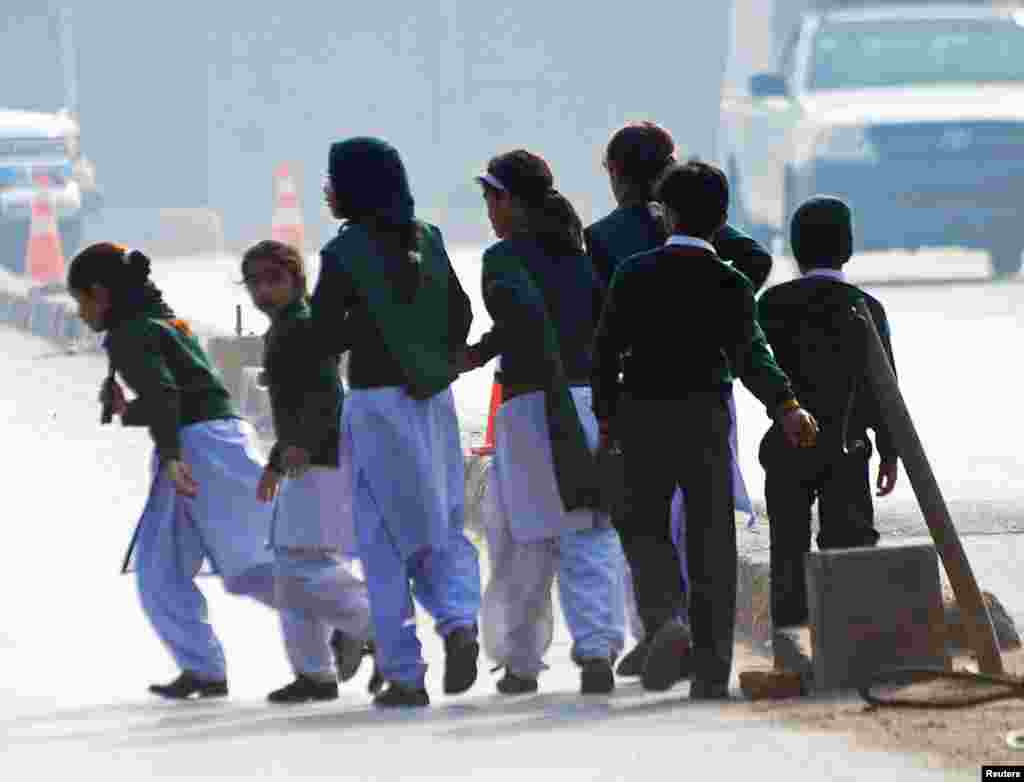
[32, 144]
[913, 113]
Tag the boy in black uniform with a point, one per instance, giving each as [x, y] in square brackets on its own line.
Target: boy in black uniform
[680, 304]
[809, 325]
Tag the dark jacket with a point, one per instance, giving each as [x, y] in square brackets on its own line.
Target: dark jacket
[344, 321]
[305, 390]
[679, 320]
[632, 229]
[573, 297]
[159, 359]
[806, 322]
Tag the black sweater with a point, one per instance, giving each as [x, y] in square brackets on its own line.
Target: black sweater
[803, 321]
[676, 321]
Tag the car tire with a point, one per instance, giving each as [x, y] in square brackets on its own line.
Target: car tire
[1006, 258]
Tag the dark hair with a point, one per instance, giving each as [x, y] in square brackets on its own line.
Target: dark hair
[698, 194]
[111, 265]
[123, 272]
[640, 151]
[281, 254]
[549, 216]
[821, 233]
[371, 189]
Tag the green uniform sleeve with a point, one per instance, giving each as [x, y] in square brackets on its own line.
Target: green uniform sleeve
[138, 355]
[747, 254]
[748, 353]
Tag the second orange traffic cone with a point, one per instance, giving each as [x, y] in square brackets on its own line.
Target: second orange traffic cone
[286, 225]
[44, 256]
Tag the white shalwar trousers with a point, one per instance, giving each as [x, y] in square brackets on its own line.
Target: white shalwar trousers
[531, 539]
[225, 524]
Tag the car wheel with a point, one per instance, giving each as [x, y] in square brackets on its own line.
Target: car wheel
[1006, 258]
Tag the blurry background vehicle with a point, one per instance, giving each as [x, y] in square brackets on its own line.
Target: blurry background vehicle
[912, 112]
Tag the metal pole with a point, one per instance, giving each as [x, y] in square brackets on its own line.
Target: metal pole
[977, 621]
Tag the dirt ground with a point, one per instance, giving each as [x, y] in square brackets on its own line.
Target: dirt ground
[956, 739]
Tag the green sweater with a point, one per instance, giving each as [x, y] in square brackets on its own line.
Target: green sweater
[677, 321]
[171, 376]
[305, 391]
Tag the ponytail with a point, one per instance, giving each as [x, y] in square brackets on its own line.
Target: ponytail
[400, 240]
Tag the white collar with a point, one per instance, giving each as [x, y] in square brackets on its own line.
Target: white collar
[832, 274]
[681, 240]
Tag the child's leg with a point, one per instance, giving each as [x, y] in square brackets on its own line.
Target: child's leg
[168, 554]
[453, 599]
[846, 513]
[306, 635]
[587, 588]
[399, 654]
[324, 588]
[517, 616]
[789, 523]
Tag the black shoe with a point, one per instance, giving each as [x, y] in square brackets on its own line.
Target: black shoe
[596, 678]
[348, 654]
[399, 696]
[461, 651]
[305, 689]
[187, 685]
[703, 690]
[511, 684]
[633, 663]
[670, 646]
[788, 653]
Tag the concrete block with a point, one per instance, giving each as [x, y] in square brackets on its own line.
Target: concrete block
[874, 608]
[230, 354]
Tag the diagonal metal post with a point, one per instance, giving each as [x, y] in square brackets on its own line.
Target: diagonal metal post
[977, 622]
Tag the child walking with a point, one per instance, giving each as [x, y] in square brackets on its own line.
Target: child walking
[202, 503]
[545, 298]
[387, 292]
[310, 475]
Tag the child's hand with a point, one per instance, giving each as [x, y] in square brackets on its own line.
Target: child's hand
[295, 461]
[269, 481]
[180, 474]
[800, 428]
[887, 474]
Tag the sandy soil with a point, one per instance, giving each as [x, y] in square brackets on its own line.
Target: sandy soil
[962, 738]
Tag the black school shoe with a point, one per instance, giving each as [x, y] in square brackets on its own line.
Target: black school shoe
[348, 654]
[400, 696]
[305, 689]
[461, 651]
[596, 677]
[511, 684]
[703, 690]
[666, 658]
[633, 663]
[187, 685]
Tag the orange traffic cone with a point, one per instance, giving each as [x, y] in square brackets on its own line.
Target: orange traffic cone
[44, 257]
[487, 449]
[286, 225]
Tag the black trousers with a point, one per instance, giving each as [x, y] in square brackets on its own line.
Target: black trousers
[794, 480]
[685, 443]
